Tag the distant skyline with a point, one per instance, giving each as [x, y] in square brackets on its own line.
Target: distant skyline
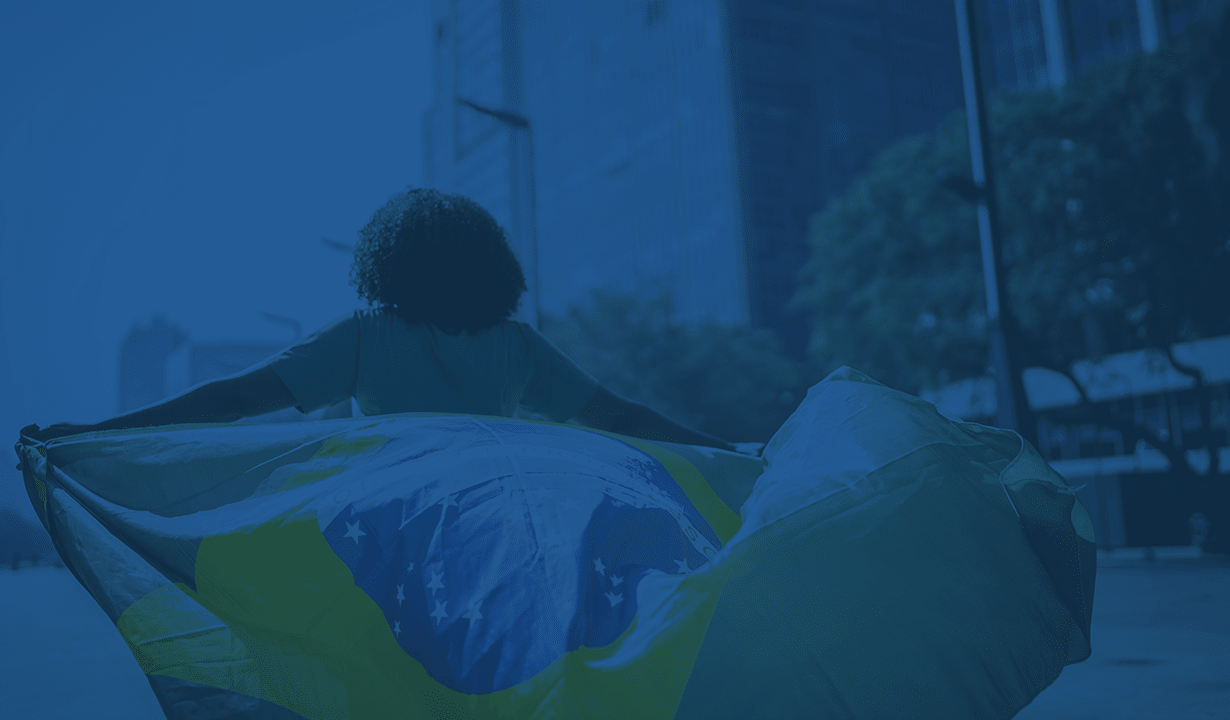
[185, 161]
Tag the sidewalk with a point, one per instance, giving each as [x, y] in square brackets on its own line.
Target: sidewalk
[1161, 642]
[63, 659]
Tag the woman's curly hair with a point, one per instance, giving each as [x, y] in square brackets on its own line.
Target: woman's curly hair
[440, 258]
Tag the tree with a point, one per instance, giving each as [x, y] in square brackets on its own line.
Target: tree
[730, 381]
[1116, 233]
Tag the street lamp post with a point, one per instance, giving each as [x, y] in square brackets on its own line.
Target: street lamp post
[1012, 408]
[522, 123]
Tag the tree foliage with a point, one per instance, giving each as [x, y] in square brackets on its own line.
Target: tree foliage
[730, 381]
[1114, 222]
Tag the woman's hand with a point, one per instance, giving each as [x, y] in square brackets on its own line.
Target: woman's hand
[58, 430]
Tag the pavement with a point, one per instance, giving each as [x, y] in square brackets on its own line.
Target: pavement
[1161, 642]
[1161, 647]
[63, 658]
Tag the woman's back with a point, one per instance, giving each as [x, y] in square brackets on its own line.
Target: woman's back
[389, 365]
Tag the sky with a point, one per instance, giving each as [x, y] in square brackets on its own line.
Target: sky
[185, 160]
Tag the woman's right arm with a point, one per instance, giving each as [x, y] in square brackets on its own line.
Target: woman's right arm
[255, 391]
[610, 412]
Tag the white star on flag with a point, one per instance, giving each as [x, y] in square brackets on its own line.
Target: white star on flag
[683, 566]
[410, 567]
[400, 596]
[436, 582]
[599, 567]
[353, 531]
[448, 501]
[615, 599]
[616, 580]
[439, 613]
[397, 628]
[473, 614]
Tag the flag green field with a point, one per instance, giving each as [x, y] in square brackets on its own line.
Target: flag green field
[889, 562]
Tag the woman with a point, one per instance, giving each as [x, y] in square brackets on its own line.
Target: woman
[444, 283]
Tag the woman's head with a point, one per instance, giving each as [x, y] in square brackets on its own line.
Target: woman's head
[442, 258]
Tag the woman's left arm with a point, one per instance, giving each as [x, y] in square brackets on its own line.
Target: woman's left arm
[255, 391]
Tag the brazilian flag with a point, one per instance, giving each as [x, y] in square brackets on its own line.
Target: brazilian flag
[889, 562]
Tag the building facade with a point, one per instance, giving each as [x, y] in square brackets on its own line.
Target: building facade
[819, 88]
[1033, 44]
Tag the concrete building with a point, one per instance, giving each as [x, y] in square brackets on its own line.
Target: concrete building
[633, 156]
[680, 144]
[143, 362]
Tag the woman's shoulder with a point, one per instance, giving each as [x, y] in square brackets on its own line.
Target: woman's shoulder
[382, 317]
[372, 318]
[375, 314]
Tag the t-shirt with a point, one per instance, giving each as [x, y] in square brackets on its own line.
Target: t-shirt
[391, 366]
